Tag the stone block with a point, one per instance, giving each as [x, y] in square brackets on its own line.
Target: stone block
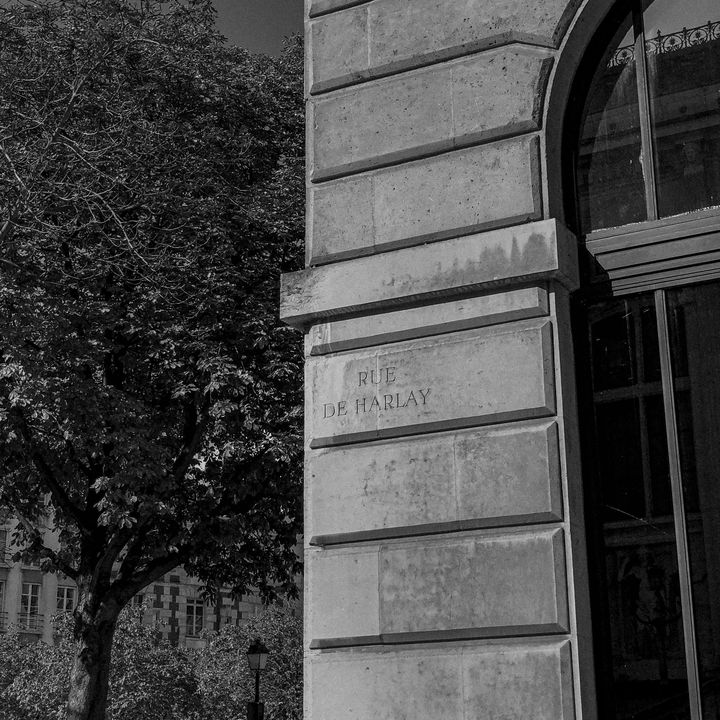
[338, 44]
[503, 584]
[476, 377]
[393, 326]
[523, 254]
[482, 584]
[382, 686]
[342, 218]
[474, 478]
[518, 682]
[343, 593]
[477, 99]
[512, 681]
[399, 35]
[510, 473]
[453, 194]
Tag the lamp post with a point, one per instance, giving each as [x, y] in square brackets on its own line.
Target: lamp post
[257, 655]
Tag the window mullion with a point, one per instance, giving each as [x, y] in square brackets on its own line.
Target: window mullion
[647, 150]
[681, 532]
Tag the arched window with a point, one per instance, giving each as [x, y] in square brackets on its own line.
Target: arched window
[645, 167]
[649, 144]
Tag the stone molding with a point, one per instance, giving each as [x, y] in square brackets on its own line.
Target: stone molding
[472, 100]
[492, 308]
[353, 42]
[464, 680]
[530, 253]
[496, 184]
[506, 583]
[498, 476]
[485, 376]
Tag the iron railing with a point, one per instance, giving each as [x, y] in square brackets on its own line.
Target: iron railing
[30, 622]
[672, 42]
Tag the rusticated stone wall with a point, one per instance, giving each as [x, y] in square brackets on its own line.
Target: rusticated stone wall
[445, 574]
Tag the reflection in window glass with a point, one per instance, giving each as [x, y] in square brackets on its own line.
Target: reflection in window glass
[683, 50]
[610, 179]
[677, 131]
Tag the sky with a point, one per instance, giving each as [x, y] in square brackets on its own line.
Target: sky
[259, 25]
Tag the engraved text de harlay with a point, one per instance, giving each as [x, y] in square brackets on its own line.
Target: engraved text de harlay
[375, 394]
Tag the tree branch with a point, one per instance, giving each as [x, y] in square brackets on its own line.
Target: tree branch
[193, 427]
[57, 491]
[125, 589]
[104, 565]
[248, 501]
[43, 550]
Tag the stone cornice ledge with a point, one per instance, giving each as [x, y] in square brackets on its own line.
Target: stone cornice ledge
[532, 252]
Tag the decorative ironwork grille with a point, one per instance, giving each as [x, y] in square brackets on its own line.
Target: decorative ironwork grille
[661, 44]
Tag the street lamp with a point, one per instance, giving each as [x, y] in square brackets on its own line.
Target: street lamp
[257, 655]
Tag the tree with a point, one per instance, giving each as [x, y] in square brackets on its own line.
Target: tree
[151, 189]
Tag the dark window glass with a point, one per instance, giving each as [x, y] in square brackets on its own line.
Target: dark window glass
[610, 179]
[655, 95]
[647, 676]
[696, 352]
[683, 51]
[618, 427]
[613, 340]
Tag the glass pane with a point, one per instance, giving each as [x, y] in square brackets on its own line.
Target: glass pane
[613, 342]
[695, 337]
[683, 50]
[645, 672]
[610, 186]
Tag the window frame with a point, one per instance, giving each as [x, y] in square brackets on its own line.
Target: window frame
[28, 620]
[63, 590]
[191, 618]
[652, 255]
[659, 252]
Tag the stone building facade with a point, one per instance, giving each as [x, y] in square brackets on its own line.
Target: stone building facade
[510, 314]
[30, 599]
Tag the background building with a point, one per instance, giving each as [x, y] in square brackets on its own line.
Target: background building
[29, 598]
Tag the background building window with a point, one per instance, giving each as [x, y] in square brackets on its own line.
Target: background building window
[29, 617]
[194, 616]
[4, 550]
[65, 598]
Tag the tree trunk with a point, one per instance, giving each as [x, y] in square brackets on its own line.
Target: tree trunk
[90, 673]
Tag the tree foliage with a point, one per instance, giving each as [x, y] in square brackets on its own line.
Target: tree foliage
[150, 194]
[153, 680]
[225, 681]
